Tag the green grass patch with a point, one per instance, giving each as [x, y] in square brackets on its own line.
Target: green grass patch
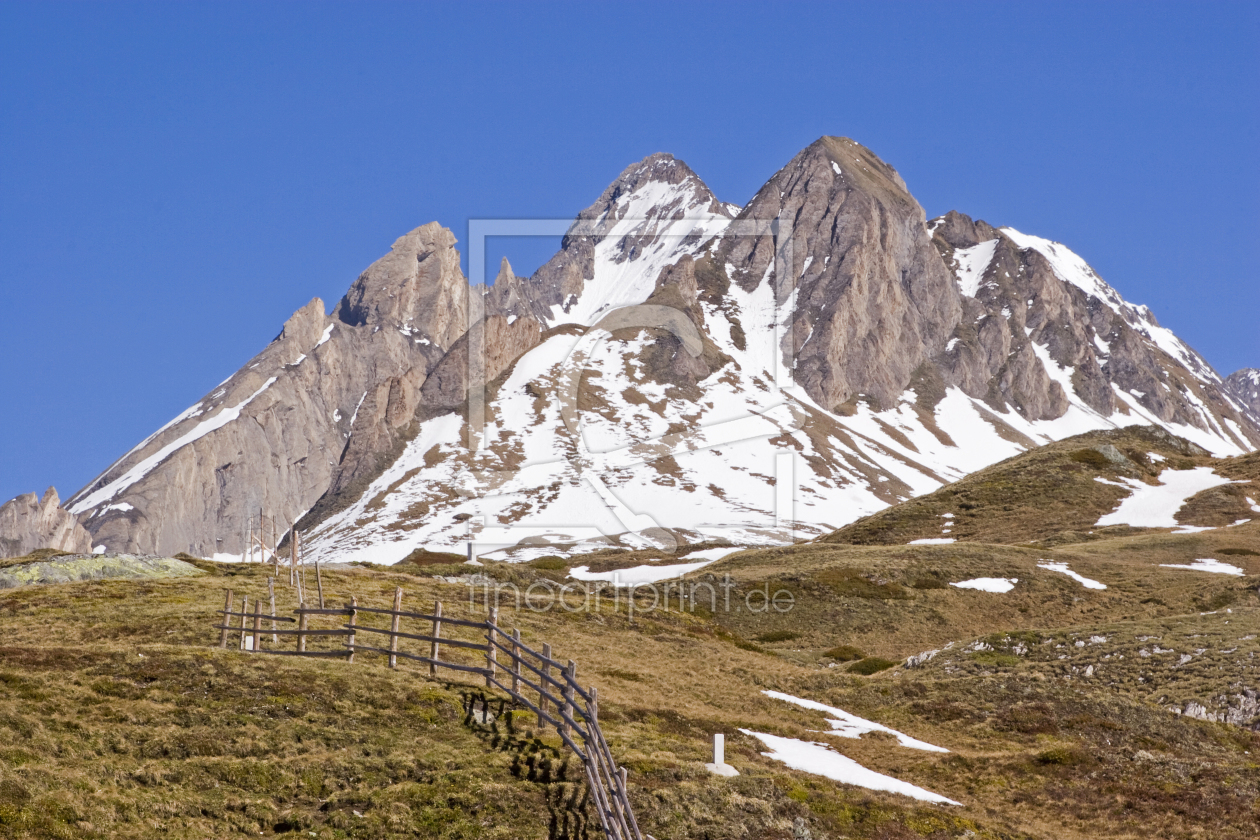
[871, 665]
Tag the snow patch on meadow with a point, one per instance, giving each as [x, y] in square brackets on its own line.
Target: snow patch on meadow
[986, 584]
[822, 760]
[1062, 568]
[1156, 506]
[848, 725]
[1215, 566]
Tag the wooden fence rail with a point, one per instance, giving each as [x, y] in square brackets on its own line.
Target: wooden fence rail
[562, 703]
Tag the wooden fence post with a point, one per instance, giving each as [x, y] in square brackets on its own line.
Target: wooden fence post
[542, 684]
[257, 624]
[492, 621]
[244, 610]
[393, 628]
[271, 591]
[350, 639]
[227, 619]
[435, 648]
[319, 584]
[570, 674]
[623, 802]
[516, 662]
[301, 638]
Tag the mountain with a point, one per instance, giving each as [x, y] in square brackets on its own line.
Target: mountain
[682, 370]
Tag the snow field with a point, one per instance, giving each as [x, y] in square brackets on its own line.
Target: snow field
[821, 760]
[1156, 506]
[1214, 566]
[987, 584]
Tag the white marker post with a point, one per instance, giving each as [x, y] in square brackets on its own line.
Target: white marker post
[719, 765]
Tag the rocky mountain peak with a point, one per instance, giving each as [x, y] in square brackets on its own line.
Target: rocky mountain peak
[650, 175]
[959, 231]
[655, 211]
[306, 326]
[872, 301]
[418, 286]
[505, 274]
[29, 522]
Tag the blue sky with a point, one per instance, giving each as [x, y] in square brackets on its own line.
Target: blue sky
[177, 178]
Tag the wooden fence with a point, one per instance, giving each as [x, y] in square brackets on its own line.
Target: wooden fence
[561, 701]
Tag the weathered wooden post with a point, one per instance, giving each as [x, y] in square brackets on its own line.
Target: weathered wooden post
[570, 675]
[543, 684]
[301, 637]
[319, 584]
[623, 797]
[227, 619]
[257, 625]
[393, 628]
[293, 556]
[271, 592]
[350, 639]
[435, 648]
[244, 610]
[492, 659]
[516, 662]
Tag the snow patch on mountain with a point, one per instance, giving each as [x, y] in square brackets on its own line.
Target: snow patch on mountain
[972, 263]
[1156, 506]
[142, 468]
[624, 275]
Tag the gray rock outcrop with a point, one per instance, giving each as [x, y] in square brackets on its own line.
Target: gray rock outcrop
[28, 523]
[75, 568]
[1244, 386]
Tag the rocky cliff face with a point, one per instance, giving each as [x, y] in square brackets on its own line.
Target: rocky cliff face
[1044, 335]
[866, 297]
[315, 410]
[682, 369]
[28, 523]
[1244, 386]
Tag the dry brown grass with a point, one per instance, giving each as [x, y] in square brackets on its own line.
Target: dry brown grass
[191, 741]
[1049, 494]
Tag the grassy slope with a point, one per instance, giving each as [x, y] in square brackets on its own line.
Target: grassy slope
[121, 719]
[1051, 494]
